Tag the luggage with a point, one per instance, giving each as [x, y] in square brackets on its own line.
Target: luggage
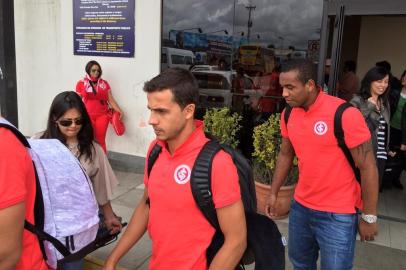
[70, 207]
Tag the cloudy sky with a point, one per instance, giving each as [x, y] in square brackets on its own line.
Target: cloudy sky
[291, 22]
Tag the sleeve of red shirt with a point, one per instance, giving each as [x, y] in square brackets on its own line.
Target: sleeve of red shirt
[284, 130]
[356, 131]
[13, 173]
[225, 183]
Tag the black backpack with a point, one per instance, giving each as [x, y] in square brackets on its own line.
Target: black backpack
[264, 241]
[338, 133]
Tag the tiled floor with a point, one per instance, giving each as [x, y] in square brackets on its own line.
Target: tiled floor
[392, 224]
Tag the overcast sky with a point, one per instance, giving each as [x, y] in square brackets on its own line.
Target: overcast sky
[295, 21]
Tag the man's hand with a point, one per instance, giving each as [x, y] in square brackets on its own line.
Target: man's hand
[367, 231]
[270, 206]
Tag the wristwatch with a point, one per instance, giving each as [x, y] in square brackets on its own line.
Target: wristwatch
[369, 218]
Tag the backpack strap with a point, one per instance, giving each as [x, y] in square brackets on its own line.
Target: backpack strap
[39, 214]
[286, 115]
[43, 236]
[339, 134]
[17, 133]
[153, 156]
[200, 182]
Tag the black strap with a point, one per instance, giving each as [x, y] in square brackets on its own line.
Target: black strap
[17, 133]
[339, 134]
[200, 182]
[286, 115]
[43, 236]
[153, 156]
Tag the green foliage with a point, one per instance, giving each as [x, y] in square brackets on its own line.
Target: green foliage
[223, 125]
[267, 143]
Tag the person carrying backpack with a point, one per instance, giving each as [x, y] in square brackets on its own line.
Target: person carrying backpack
[180, 233]
[19, 248]
[69, 122]
[323, 216]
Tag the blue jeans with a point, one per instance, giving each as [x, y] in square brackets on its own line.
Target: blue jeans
[333, 234]
[76, 265]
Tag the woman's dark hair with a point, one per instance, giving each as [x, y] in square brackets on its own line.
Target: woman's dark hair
[90, 64]
[374, 74]
[60, 105]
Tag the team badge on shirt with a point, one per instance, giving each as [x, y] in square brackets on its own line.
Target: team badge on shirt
[182, 174]
[320, 128]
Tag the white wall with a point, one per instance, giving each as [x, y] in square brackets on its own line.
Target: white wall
[382, 38]
[46, 66]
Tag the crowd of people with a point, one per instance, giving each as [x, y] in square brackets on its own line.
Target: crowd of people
[323, 220]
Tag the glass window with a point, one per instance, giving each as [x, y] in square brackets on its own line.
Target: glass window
[188, 60]
[164, 59]
[212, 81]
[177, 59]
[239, 45]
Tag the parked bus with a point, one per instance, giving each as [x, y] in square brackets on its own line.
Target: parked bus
[254, 59]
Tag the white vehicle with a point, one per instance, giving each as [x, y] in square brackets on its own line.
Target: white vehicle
[173, 57]
[203, 68]
[215, 87]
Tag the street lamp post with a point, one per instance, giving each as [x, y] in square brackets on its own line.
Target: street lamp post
[250, 8]
[232, 39]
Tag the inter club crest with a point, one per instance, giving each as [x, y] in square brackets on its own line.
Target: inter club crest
[182, 174]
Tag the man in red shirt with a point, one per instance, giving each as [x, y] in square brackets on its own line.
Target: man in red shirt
[323, 216]
[19, 248]
[179, 232]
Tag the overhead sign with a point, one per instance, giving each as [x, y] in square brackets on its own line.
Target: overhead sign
[104, 27]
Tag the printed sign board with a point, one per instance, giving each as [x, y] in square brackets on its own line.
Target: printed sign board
[104, 27]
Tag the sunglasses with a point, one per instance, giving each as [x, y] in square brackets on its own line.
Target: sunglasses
[68, 123]
[95, 70]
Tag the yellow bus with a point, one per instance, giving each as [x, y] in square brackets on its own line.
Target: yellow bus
[254, 59]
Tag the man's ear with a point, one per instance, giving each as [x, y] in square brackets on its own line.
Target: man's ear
[189, 111]
[310, 85]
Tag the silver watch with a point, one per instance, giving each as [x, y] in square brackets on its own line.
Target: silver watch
[369, 218]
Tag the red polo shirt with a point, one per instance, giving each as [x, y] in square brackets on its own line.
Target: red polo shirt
[179, 232]
[17, 184]
[326, 180]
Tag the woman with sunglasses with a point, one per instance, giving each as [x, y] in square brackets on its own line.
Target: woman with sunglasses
[69, 122]
[97, 96]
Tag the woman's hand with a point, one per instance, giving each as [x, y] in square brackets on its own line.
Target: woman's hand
[113, 224]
